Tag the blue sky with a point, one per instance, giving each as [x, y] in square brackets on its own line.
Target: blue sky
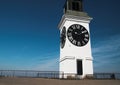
[29, 37]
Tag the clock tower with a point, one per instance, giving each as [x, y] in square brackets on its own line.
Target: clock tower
[75, 48]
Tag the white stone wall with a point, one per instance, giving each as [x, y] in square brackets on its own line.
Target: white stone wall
[70, 53]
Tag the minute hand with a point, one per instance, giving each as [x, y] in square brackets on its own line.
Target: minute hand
[83, 32]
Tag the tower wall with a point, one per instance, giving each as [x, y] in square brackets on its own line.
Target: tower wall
[75, 61]
[71, 53]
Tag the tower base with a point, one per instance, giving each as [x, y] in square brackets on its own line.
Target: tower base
[71, 68]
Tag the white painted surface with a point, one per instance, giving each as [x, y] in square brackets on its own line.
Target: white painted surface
[70, 53]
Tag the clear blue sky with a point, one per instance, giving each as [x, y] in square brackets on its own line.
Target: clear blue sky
[29, 37]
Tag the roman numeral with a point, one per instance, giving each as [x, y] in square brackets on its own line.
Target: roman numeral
[82, 28]
[83, 42]
[86, 39]
[73, 26]
[74, 41]
[77, 26]
[70, 29]
[78, 43]
[86, 35]
[70, 38]
[69, 34]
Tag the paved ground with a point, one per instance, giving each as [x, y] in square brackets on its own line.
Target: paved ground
[40, 81]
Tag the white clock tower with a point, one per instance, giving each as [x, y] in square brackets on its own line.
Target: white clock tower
[75, 50]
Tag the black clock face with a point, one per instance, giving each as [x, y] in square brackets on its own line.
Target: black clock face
[78, 35]
[63, 37]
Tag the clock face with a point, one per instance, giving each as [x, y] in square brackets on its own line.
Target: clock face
[78, 35]
[63, 37]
